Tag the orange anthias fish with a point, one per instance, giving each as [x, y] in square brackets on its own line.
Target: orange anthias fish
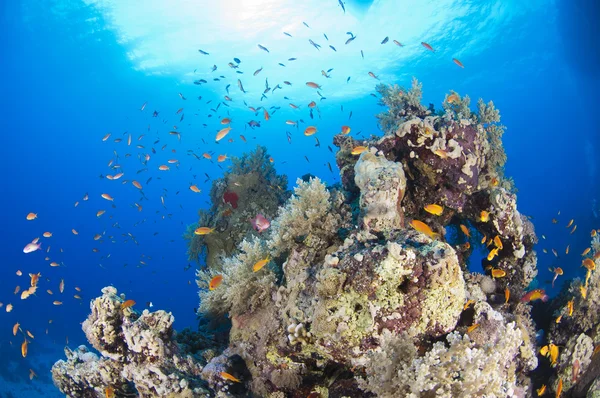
[136, 184]
[163, 167]
[484, 216]
[506, 295]
[312, 85]
[16, 328]
[498, 273]
[107, 197]
[589, 264]
[359, 149]
[536, 294]
[559, 388]
[541, 391]
[215, 282]
[31, 216]
[225, 120]
[24, 348]
[266, 114]
[127, 304]
[310, 130]
[427, 46]
[345, 130]
[222, 133]
[557, 271]
[434, 209]
[457, 62]
[194, 188]
[227, 376]
[203, 231]
[465, 230]
[221, 158]
[260, 264]
[109, 392]
[423, 228]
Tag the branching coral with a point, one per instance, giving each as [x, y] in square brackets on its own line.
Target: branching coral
[242, 289]
[402, 104]
[309, 218]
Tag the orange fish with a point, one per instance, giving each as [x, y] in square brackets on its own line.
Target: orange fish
[105, 137]
[434, 209]
[427, 46]
[47, 234]
[24, 348]
[506, 295]
[16, 328]
[559, 388]
[98, 214]
[61, 285]
[498, 273]
[109, 392]
[484, 216]
[203, 231]
[136, 184]
[589, 264]
[260, 264]
[243, 138]
[423, 228]
[32, 374]
[457, 62]
[570, 305]
[31, 216]
[227, 376]
[221, 158]
[465, 230]
[472, 327]
[127, 304]
[586, 251]
[313, 85]
[310, 130]
[107, 197]
[312, 104]
[225, 120]
[441, 153]
[468, 304]
[215, 282]
[163, 167]
[57, 302]
[345, 130]
[206, 156]
[541, 391]
[172, 161]
[194, 188]
[359, 149]
[498, 242]
[557, 271]
[266, 114]
[222, 133]
[453, 99]
[570, 223]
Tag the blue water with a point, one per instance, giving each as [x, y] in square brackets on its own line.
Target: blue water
[68, 78]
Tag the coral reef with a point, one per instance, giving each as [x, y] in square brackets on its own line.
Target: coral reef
[344, 294]
[138, 355]
[250, 186]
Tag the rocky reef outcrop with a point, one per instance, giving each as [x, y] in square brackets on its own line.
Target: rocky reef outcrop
[363, 288]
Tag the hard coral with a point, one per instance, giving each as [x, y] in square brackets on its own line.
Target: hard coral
[136, 349]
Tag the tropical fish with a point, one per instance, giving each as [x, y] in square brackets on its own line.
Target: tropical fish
[465, 230]
[31, 247]
[457, 62]
[163, 167]
[423, 228]
[107, 197]
[484, 216]
[127, 304]
[313, 85]
[31, 216]
[215, 282]
[506, 295]
[24, 348]
[434, 209]
[260, 264]
[16, 328]
[222, 133]
[498, 273]
[194, 188]
[498, 242]
[310, 130]
[472, 327]
[357, 150]
[427, 46]
[229, 377]
[263, 48]
[536, 294]
[203, 231]
[557, 271]
[260, 223]
[345, 130]
[541, 391]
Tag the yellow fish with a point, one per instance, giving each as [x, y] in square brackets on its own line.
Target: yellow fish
[434, 209]
[484, 216]
[203, 231]
[498, 242]
[260, 264]
[465, 230]
[230, 377]
[359, 149]
[222, 133]
[423, 228]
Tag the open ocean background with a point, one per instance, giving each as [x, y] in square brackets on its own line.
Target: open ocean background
[73, 71]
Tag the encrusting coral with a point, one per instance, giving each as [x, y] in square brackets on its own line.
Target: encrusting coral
[345, 294]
